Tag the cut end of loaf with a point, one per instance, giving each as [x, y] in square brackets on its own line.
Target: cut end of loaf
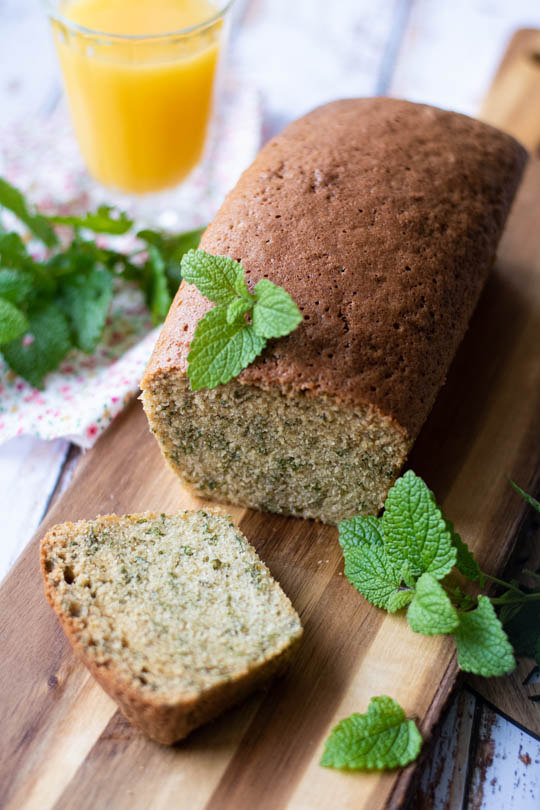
[176, 616]
[295, 454]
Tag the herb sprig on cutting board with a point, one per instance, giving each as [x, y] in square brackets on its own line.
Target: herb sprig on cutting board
[405, 560]
[408, 558]
[60, 301]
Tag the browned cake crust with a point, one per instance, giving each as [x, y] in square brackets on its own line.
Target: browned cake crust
[381, 218]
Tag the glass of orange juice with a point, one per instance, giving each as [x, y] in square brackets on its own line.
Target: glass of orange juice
[140, 78]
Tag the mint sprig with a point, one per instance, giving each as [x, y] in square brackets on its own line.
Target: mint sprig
[12, 199]
[381, 739]
[105, 220]
[60, 301]
[13, 322]
[482, 645]
[415, 530]
[403, 559]
[431, 612]
[47, 343]
[373, 573]
[232, 334]
[220, 350]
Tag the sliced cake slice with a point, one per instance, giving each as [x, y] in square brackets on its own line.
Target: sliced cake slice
[175, 615]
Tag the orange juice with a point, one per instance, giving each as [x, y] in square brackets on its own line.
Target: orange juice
[140, 92]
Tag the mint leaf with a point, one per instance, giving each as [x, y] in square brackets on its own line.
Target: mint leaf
[482, 645]
[237, 308]
[382, 738]
[465, 560]
[415, 530]
[224, 342]
[172, 247]
[360, 529]
[15, 285]
[431, 611]
[407, 575]
[159, 297]
[12, 199]
[86, 300]
[218, 278]
[275, 314]
[368, 568]
[399, 600]
[42, 348]
[220, 350]
[12, 321]
[105, 220]
[529, 498]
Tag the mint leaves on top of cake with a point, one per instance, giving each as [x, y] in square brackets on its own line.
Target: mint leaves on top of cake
[231, 335]
[381, 739]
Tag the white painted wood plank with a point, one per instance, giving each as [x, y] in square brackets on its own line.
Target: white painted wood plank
[507, 770]
[303, 53]
[29, 74]
[29, 470]
[451, 49]
[442, 782]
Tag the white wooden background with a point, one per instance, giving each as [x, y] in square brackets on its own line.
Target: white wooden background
[300, 53]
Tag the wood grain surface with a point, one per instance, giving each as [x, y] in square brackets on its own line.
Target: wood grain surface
[64, 745]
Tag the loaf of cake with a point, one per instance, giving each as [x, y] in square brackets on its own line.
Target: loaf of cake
[381, 218]
[175, 616]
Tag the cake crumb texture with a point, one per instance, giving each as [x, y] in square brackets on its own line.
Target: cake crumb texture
[297, 455]
[175, 615]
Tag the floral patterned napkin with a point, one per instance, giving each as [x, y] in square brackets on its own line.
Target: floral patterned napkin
[87, 391]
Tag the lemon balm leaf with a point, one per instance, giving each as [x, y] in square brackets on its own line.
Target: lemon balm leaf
[15, 285]
[399, 600]
[275, 314]
[360, 529]
[218, 278]
[43, 346]
[381, 739]
[369, 569]
[431, 612]
[220, 350]
[482, 645]
[159, 296]
[415, 529]
[465, 560]
[237, 308]
[13, 322]
[85, 300]
[12, 199]
[231, 335]
[105, 220]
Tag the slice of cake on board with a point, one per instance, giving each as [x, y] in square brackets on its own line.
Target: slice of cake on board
[175, 615]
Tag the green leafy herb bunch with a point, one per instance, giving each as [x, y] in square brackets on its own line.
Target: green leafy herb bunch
[60, 301]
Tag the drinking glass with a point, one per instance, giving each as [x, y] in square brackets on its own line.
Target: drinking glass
[141, 104]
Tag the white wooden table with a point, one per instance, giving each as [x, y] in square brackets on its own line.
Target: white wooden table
[300, 53]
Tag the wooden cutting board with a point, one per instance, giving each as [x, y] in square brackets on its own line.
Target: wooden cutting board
[64, 745]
